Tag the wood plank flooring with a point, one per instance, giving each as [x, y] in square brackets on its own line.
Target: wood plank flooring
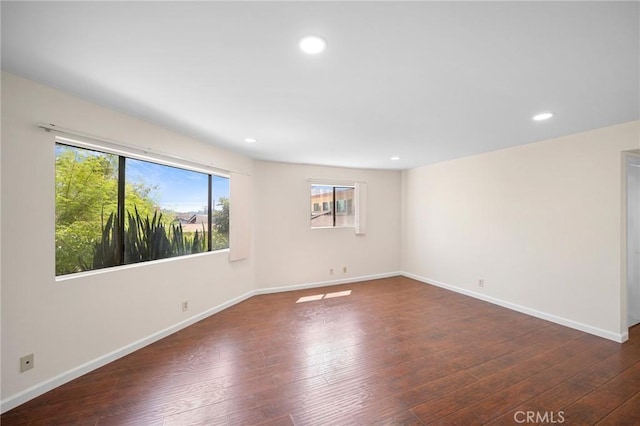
[393, 352]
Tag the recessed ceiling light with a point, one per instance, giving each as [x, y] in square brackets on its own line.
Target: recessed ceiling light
[543, 116]
[250, 140]
[312, 44]
[395, 158]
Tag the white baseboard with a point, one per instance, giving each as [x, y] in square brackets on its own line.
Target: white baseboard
[616, 337]
[326, 283]
[37, 390]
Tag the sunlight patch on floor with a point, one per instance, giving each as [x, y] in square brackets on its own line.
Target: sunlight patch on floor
[325, 296]
[310, 298]
[337, 294]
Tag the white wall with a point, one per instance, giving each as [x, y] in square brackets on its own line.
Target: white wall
[75, 324]
[76, 321]
[540, 223]
[290, 253]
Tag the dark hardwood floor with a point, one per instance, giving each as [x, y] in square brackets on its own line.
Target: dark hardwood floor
[393, 352]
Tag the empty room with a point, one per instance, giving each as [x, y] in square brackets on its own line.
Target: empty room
[320, 213]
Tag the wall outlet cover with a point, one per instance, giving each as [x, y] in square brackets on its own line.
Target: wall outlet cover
[26, 363]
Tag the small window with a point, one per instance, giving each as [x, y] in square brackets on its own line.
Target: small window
[337, 206]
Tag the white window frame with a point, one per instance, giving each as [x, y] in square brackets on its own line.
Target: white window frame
[359, 202]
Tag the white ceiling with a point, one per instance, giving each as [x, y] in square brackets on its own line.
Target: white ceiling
[426, 81]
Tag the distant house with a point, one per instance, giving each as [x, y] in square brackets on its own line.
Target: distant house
[322, 206]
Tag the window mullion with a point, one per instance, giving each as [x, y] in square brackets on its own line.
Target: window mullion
[333, 212]
[104, 242]
[121, 210]
[210, 215]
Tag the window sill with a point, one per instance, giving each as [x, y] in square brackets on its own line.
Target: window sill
[77, 275]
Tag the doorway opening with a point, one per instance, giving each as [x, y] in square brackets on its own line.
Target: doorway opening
[632, 172]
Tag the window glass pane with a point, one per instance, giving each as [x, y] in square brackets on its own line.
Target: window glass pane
[86, 205]
[165, 211]
[220, 212]
[344, 206]
[321, 206]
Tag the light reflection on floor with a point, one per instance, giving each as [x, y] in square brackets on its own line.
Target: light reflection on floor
[337, 294]
[329, 342]
[310, 298]
[325, 296]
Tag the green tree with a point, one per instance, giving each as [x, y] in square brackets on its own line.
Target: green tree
[220, 231]
[86, 188]
[88, 233]
[221, 217]
[86, 195]
[86, 185]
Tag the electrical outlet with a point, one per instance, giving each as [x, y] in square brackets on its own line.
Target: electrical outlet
[344, 269]
[480, 283]
[185, 306]
[26, 363]
[331, 271]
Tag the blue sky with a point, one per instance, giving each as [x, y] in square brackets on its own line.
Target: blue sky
[176, 189]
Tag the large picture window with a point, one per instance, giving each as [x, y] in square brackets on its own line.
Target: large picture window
[114, 210]
[332, 206]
